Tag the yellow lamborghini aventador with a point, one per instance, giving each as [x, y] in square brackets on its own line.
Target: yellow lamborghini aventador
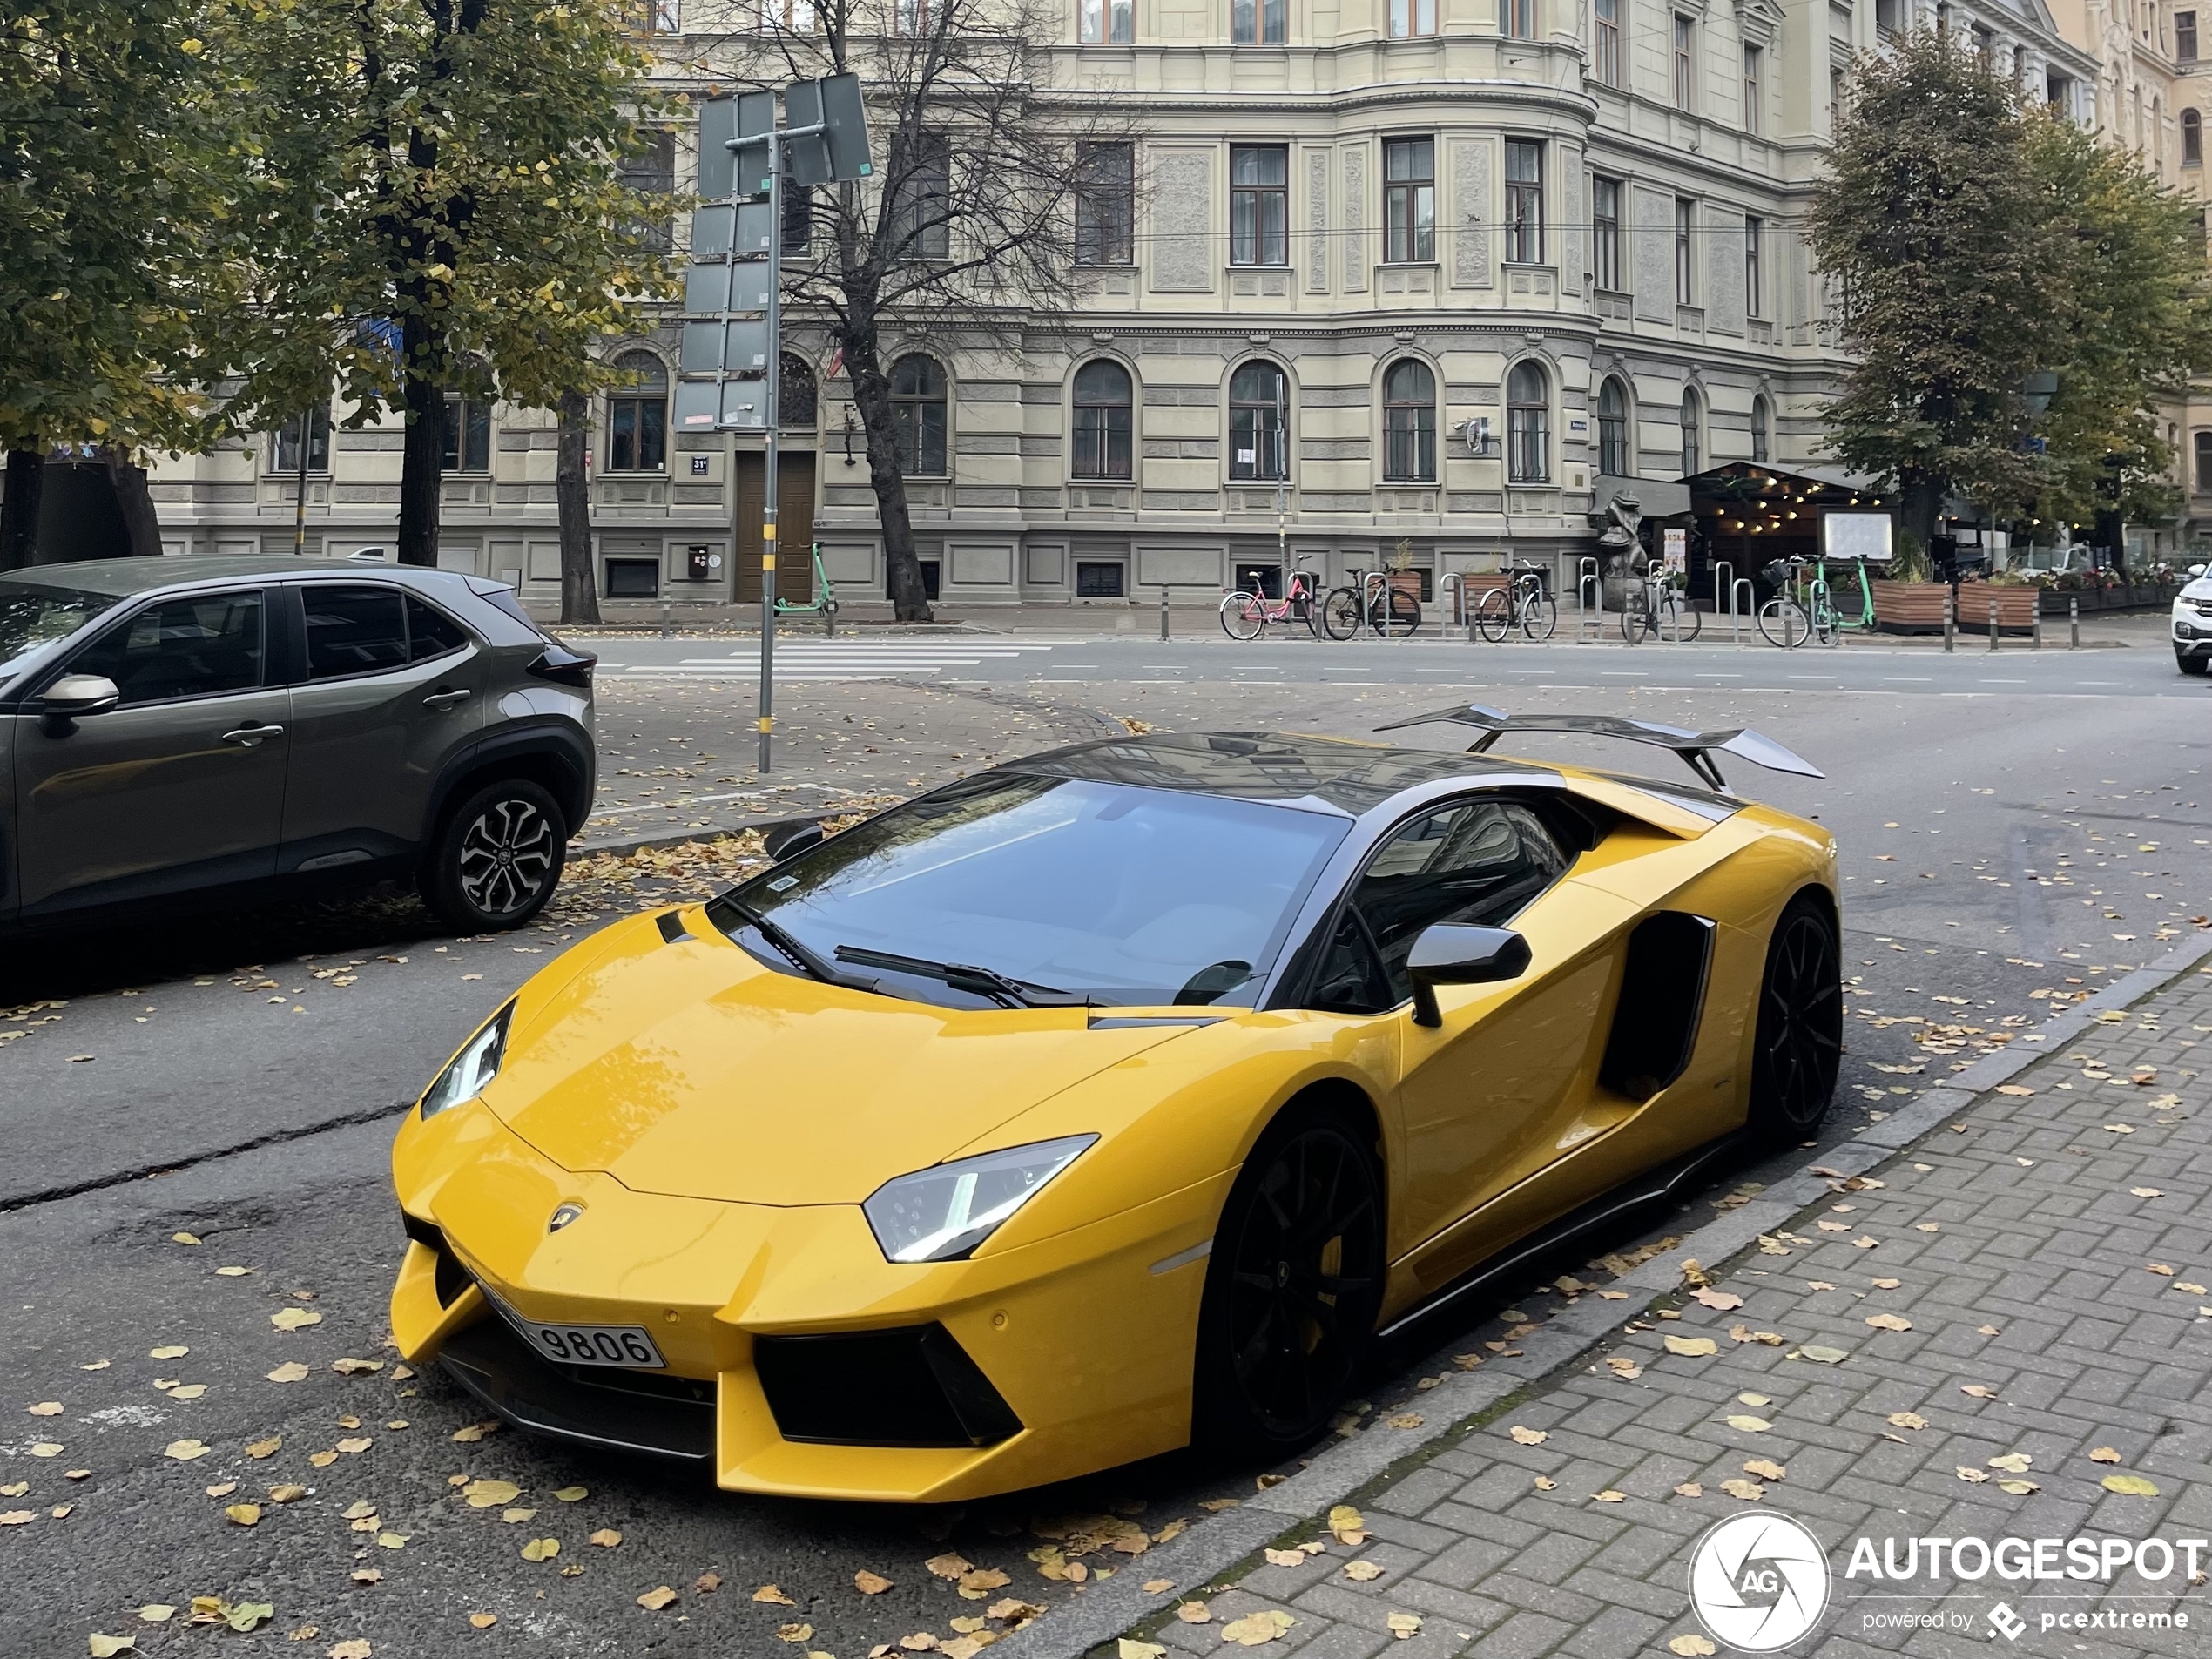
[1122, 1095]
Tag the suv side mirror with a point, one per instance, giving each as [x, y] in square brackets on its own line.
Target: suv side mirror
[74, 696]
[2196, 570]
[788, 841]
[1446, 955]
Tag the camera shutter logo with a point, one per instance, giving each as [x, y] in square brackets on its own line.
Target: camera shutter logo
[1758, 1583]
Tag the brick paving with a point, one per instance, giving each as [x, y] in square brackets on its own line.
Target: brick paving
[2009, 1238]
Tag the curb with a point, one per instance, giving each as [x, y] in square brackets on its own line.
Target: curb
[1212, 1546]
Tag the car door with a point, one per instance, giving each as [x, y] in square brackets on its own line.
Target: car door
[390, 688]
[181, 784]
[1483, 1096]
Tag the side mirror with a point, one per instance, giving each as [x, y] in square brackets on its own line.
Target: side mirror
[788, 841]
[74, 696]
[1446, 955]
[2196, 570]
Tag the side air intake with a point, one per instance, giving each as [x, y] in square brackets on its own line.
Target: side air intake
[1663, 994]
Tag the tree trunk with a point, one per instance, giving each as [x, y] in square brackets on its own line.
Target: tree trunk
[1923, 500]
[135, 502]
[19, 512]
[872, 394]
[423, 456]
[572, 491]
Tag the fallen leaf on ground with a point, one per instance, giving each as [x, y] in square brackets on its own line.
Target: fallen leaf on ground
[2018, 1488]
[291, 1371]
[1195, 1612]
[1749, 1425]
[55, 1448]
[1882, 1284]
[1624, 1367]
[1691, 1647]
[2012, 1462]
[358, 1443]
[979, 1582]
[186, 1451]
[541, 1549]
[357, 1648]
[490, 1495]
[1406, 1419]
[769, 1592]
[1544, 1483]
[356, 1368]
[46, 1408]
[1691, 1347]
[1285, 1557]
[1528, 1436]
[1971, 1476]
[1823, 1356]
[1889, 1322]
[1749, 1491]
[1608, 1496]
[179, 1238]
[105, 1647]
[157, 1612]
[2147, 1192]
[475, 1432]
[1347, 1525]
[1129, 1649]
[606, 1538]
[286, 1493]
[259, 1449]
[1978, 1390]
[244, 1515]
[294, 1318]
[1403, 1625]
[1157, 1586]
[482, 1621]
[171, 1350]
[1765, 1468]
[2130, 1485]
[2104, 1454]
[1363, 1572]
[654, 1599]
[870, 1584]
[1690, 1489]
[2159, 1268]
[1907, 1419]
[577, 1495]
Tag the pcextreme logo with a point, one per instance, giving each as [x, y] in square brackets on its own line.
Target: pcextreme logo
[1759, 1581]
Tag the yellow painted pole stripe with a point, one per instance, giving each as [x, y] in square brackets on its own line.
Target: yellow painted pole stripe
[767, 722]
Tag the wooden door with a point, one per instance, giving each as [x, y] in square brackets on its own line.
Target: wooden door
[794, 527]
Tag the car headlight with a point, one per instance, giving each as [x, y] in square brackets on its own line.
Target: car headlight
[473, 1068]
[942, 1214]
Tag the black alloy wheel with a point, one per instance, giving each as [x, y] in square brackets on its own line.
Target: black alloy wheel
[1800, 1035]
[1294, 1285]
[498, 857]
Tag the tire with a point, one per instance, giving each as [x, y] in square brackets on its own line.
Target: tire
[1679, 620]
[1783, 623]
[1494, 615]
[1293, 1287]
[1540, 617]
[497, 858]
[1405, 612]
[1636, 623]
[1800, 1035]
[1243, 615]
[1340, 613]
[2196, 665]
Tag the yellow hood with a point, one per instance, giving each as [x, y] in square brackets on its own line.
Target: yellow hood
[688, 1069]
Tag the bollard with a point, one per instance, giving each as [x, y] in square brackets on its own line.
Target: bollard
[1949, 618]
[1993, 622]
[1164, 611]
[2037, 643]
[663, 619]
[2074, 625]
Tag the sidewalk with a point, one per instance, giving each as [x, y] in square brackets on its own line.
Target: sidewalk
[1986, 1317]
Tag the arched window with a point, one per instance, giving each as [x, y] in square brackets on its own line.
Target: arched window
[1259, 408]
[1759, 429]
[1692, 450]
[1409, 423]
[1613, 429]
[637, 414]
[2192, 139]
[795, 394]
[1528, 425]
[918, 416]
[1103, 420]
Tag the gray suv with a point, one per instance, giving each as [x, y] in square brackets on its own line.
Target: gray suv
[202, 730]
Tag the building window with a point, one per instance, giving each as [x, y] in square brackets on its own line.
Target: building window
[795, 398]
[1106, 205]
[284, 451]
[1412, 17]
[1613, 430]
[2192, 139]
[1685, 252]
[1259, 22]
[1754, 281]
[1528, 440]
[657, 17]
[2185, 37]
[922, 173]
[1885, 16]
[1409, 423]
[1605, 53]
[1099, 578]
[1258, 205]
[652, 172]
[2204, 463]
[918, 416]
[910, 17]
[1520, 18]
[1692, 448]
[1605, 233]
[1259, 403]
[1106, 22]
[468, 446]
[1524, 202]
[637, 416]
[1835, 98]
[1759, 418]
[1409, 199]
[1102, 420]
[1685, 62]
[1754, 63]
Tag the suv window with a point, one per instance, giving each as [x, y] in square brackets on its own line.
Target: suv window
[354, 630]
[430, 632]
[201, 646]
[1477, 864]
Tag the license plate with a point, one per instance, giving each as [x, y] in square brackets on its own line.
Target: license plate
[629, 1346]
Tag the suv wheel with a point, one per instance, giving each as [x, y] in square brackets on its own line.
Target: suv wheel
[2189, 664]
[497, 859]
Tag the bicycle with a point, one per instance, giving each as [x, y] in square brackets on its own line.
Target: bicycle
[1523, 603]
[1244, 615]
[1363, 604]
[1660, 607]
[1783, 620]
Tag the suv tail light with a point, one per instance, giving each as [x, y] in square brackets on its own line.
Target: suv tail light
[569, 667]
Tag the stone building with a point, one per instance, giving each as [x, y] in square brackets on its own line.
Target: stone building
[1432, 275]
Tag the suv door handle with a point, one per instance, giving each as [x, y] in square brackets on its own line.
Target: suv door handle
[247, 736]
[443, 700]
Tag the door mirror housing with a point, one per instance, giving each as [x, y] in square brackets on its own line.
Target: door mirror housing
[789, 841]
[1448, 955]
[74, 696]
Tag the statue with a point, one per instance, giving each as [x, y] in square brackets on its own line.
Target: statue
[1621, 539]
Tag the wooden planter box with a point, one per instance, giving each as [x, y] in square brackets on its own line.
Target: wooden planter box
[2141, 596]
[1470, 587]
[2015, 608]
[1910, 607]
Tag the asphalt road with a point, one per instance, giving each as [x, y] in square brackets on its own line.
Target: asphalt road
[2003, 845]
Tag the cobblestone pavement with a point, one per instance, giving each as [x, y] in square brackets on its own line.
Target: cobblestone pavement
[2000, 1328]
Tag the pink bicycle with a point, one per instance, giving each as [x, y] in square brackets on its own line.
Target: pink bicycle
[1244, 615]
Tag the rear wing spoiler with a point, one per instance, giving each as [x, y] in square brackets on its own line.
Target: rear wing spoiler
[1695, 748]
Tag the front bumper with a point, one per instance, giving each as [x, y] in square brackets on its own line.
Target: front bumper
[800, 1362]
[2192, 631]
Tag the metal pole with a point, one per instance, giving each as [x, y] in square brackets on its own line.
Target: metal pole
[1164, 610]
[1282, 484]
[300, 495]
[2039, 622]
[1992, 621]
[2074, 625]
[1950, 616]
[768, 454]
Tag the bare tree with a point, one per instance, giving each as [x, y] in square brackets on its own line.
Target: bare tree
[968, 227]
[572, 494]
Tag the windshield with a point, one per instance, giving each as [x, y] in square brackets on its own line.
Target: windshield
[1124, 894]
[32, 615]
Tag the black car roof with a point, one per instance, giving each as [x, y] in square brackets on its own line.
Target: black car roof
[1287, 767]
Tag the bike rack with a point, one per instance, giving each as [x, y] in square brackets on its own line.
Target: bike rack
[1369, 579]
[1457, 585]
[1589, 596]
[1741, 585]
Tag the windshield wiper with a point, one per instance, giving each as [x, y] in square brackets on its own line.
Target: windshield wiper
[980, 981]
[799, 955]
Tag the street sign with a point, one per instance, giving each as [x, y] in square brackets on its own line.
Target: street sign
[839, 150]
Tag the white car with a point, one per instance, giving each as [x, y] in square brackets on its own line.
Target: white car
[2192, 624]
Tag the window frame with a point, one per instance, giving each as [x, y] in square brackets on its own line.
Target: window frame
[1256, 240]
[1106, 22]
[1273, 418]
[653, 174]
[1529, 459]
[1410, 19]
[308, 675]
[1524, 220]
[1762, 430]
[1409, 423]
[635, 401]
[319, 437]
[458, 410]
[1605, 42]
[1259, 22]
[1101, 438]
[2192, 138]
[1409, 204]
[2200, 449]
[2185, 23]
[910, 409]
[1755, 266]
[1613, 429]
[1119, 236]
[1692, 417]
[1605, 233]
[1754, 87]
[1518, 19]
[1685, 62]
[920, 229]
[269, 677]
[1686, 252]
